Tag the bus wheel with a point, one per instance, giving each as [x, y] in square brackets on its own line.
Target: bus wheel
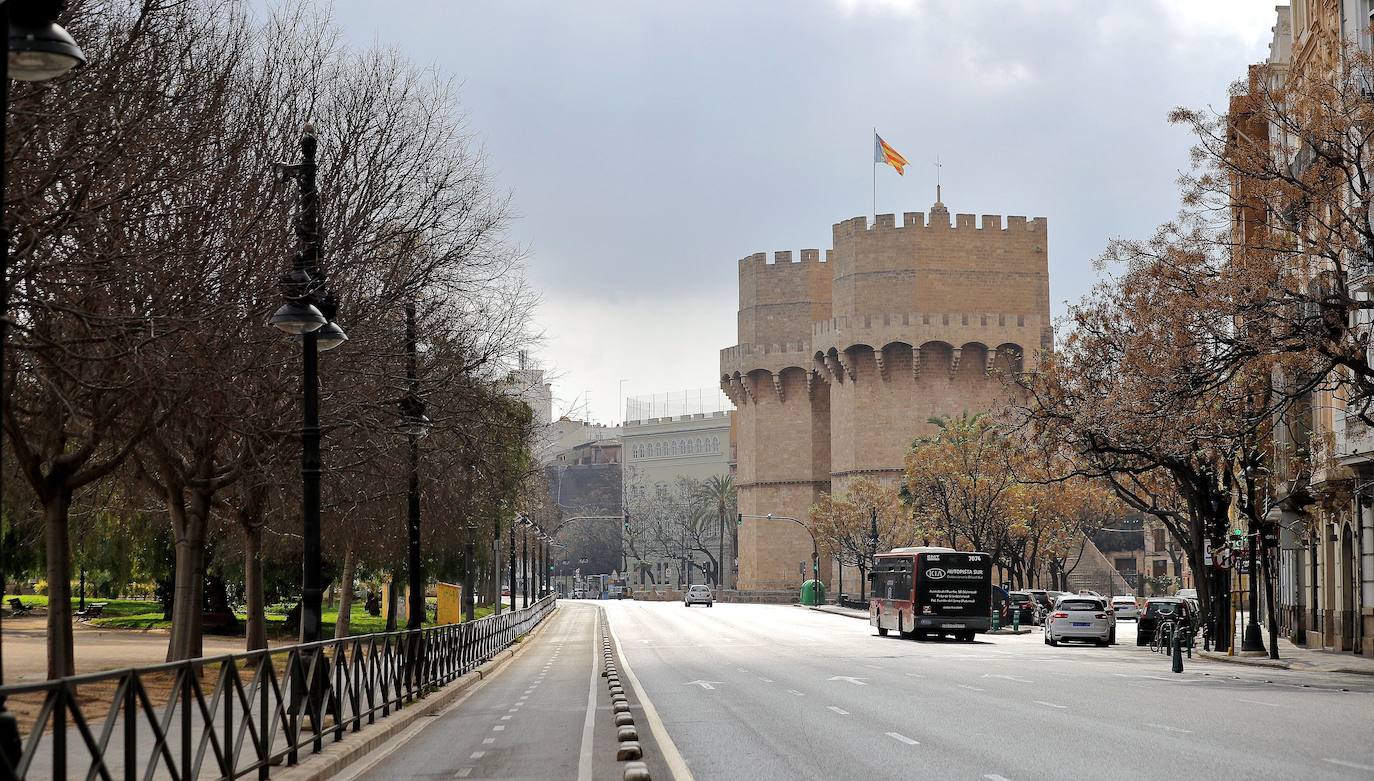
[882, 631]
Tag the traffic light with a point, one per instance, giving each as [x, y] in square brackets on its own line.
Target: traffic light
[739, 519]
[627, 521]
[1237, 539]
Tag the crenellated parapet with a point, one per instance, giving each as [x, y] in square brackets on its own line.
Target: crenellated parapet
[1016, 226]
[913, 329]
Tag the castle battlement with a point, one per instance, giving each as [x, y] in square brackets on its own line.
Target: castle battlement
[782, 260]
[1016, 225]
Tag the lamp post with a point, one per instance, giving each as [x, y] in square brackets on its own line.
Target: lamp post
[308, 314]
[36, 49]
[416, 427]
[524, 564]
[815, 548]
[512, 561]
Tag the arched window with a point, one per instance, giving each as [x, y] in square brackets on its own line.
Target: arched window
[715, 444]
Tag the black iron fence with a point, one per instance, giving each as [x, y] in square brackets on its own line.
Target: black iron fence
[227, 717]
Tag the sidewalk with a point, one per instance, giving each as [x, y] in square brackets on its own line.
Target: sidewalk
[1292, 657]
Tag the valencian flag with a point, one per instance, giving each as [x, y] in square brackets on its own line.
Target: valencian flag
[882, 153]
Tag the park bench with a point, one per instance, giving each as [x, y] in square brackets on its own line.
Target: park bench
[92, 610]
[17, 607]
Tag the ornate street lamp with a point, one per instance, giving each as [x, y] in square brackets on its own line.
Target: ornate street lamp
[308, 315]
[37, 48]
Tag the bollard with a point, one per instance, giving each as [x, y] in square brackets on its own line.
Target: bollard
[996, 619]
[1178, 652]
[1016, 619]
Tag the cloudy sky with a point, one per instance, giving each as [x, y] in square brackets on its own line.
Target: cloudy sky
[649, 145]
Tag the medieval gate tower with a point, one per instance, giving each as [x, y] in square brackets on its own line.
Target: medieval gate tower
[840, 362]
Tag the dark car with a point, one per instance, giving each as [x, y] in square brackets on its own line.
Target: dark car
[1025, 603]
[1160, 608]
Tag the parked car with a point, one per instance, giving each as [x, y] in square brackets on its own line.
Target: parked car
[1126, 607]
[1157, 609]
[698, 594]
[1081, 618]
[1024, 603]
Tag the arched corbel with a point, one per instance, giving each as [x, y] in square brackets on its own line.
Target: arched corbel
[916, 363]
[777, 385]
[954, 361]
[992, 358]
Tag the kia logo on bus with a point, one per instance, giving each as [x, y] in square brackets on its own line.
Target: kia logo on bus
[935, 573]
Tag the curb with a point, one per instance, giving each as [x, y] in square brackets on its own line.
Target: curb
[337, 757]
[1277, 664]
[822, 609]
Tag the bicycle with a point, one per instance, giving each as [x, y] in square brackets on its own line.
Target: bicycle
[1163, 639]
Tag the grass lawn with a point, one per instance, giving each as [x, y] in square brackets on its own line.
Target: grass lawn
[144, 614]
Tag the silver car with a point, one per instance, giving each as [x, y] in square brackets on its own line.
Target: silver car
[1126, 607]
[1081, 618]
[698, 594]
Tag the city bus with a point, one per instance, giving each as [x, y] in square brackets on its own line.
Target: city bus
[925, 592]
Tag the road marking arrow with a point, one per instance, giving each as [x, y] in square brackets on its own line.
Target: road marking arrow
[1009, 678]
[855, 681]
[702, 684]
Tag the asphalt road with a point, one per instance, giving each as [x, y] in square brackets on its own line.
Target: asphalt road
[779, 692]
[546, 715]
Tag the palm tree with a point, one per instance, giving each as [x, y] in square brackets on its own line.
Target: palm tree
[719, 491]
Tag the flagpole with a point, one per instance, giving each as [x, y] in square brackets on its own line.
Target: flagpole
[875, 177]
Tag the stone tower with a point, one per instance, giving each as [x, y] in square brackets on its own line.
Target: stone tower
[841, 362]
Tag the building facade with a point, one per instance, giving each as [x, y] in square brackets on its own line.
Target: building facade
[665, 458]
[840, 361]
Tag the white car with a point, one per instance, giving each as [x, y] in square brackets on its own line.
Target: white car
[698, 595]
[1126, 607]
[1081, 618]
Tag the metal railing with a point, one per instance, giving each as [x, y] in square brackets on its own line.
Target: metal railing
[227, 717]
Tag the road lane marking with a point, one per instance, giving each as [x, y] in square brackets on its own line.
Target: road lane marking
[837, 709]
[794, 691]
[1049, 704]
[914, 675]
[971, 688]
[702, 684]
[1008, 678]
[463, 772]
[766, 680]
[514, 710]
[995, 777]
[671, 757]
[1167, 728]
[1353, 765]
[506, 717]
[477, 755]
[584, 761]
[488, 741]
[499, 728]
[902, 738]
[1257, 702]
[850, 678]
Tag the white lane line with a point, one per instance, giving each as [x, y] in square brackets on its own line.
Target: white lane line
[463, 772]
[902, 738]
[499, 728]
[516, 709]
[794, 691]
[1049, 704]
[765, 680]
[507, 717]
[584, 761]
[837, 709]
[1257, 702]
[477, 755]
[488, 741]
[995, 777]
[1167, 728]
[971, 688]
[914, 675]
[676, 766]
[1353, 765]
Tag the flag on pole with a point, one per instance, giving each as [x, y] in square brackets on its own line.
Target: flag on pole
[882, 153]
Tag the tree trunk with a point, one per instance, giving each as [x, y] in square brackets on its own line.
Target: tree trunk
[188, 602]
[1266, 562]
[56, 538]
[256, 624]
[341, 624]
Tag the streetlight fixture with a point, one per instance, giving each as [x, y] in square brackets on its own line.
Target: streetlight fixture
[308, 310]
[815, 548]
[37, 48]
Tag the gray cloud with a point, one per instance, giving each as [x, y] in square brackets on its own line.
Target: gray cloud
[649, 145]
